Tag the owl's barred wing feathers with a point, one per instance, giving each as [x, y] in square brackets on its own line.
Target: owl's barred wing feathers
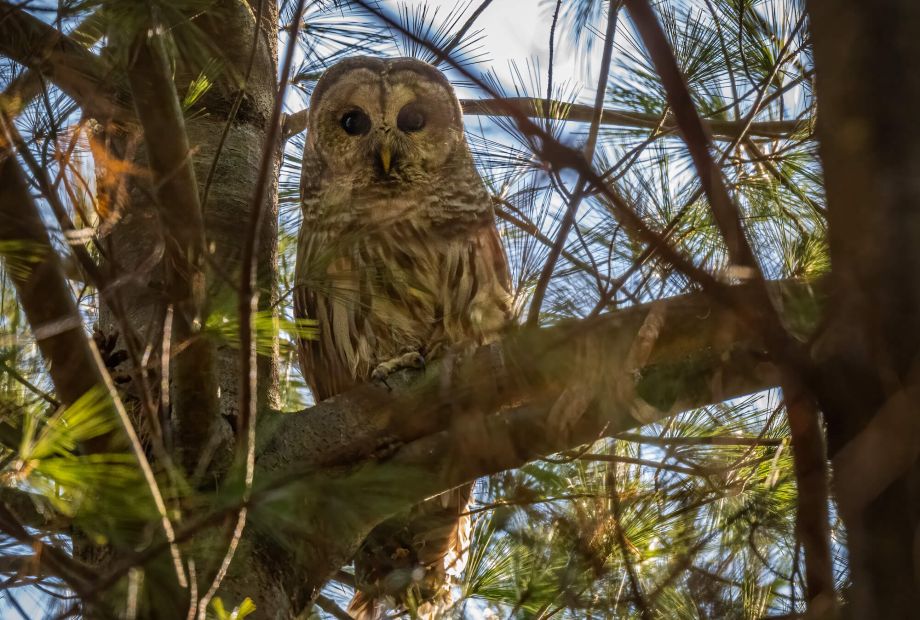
[398, 251]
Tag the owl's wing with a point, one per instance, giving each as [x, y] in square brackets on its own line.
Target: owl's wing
[331, 289]
[491, 305]
[328, 290]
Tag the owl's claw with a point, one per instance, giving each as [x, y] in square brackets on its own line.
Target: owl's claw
[407, 360]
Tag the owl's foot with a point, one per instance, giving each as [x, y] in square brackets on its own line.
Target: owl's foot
[408, 360]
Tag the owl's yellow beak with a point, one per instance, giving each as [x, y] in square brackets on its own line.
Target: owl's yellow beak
[386, 157]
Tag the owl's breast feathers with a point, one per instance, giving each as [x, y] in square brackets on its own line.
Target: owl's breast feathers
[389, 272]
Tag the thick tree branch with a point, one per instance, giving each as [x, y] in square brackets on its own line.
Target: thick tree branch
[52, 54]
[550, 389]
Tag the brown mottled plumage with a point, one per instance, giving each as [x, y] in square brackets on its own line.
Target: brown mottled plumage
[398, 256]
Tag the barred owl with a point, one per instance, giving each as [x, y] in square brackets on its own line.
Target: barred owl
[398, 259]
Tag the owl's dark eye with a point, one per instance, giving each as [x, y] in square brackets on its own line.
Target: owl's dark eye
[356, 123]
[411, 118]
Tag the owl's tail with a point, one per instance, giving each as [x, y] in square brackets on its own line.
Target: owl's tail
[408, 562]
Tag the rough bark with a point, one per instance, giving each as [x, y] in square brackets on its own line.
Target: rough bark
[867, 58]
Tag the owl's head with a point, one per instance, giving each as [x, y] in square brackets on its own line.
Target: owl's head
[394, 120]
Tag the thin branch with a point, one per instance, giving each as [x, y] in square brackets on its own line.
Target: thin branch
[552, 49]
[571, 213]
[81, 74]
[531, 229]
[709, 440]
[458, 38]
[28, 85]
[29, 385]
[723, 130]
[695, 134]
[582, 113]
[629, 460]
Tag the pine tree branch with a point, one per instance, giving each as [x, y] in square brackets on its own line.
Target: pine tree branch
[44, 295]
[702, 354]
[583, 113]
[48, 52]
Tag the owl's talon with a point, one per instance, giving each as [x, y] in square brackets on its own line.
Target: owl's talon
[412, 360]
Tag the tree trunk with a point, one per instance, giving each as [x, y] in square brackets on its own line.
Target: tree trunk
[867, 58]
[135, 244]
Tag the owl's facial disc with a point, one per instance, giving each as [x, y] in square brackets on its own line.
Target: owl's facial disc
[397, 123]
